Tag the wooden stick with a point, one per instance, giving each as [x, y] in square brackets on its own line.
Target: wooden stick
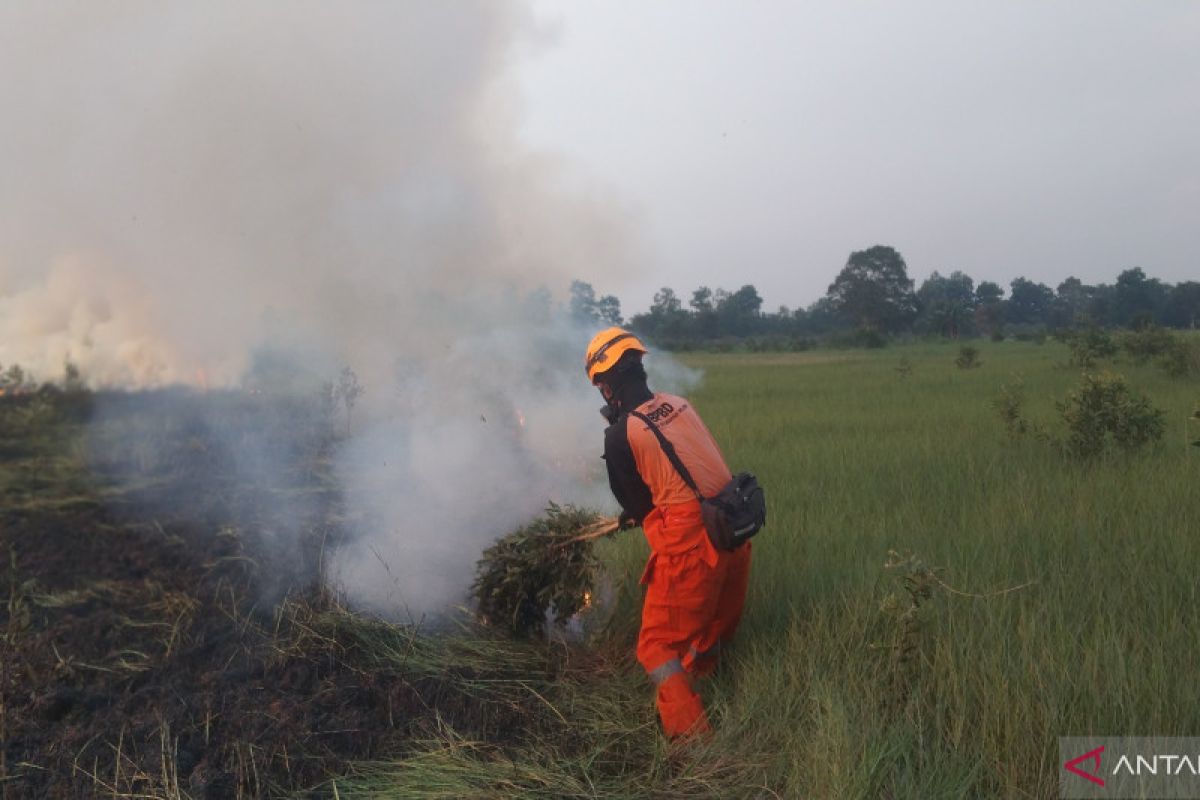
[601, 527]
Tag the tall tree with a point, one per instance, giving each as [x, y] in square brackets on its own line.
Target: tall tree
[819, 318]
[989, 308]
[608, 310]
[1029, 302]
[744, 302]
[1137, 298]
[738, 312]
[874, 291]
[585, 307]
[666, 302]
[1073, 302]
[988, 292]
[1182, 309]
[583, 302]
[947, 304]
[666, 320]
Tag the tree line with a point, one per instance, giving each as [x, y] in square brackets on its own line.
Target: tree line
[873, 299]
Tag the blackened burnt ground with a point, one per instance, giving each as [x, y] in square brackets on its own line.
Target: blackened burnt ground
[164, 629]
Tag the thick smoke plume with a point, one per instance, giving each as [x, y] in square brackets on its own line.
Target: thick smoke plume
[192, 189]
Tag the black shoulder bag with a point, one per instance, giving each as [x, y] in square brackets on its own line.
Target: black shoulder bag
[734, 514]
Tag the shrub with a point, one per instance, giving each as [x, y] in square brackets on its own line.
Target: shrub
[859, 337]
[1089, 345]
[1181, 359]
[800, 345]
[907, 611]
[1010, 405]
[773, 343]
[1029, 333]
[1103, 414]
[1147, 343]
[968, 357]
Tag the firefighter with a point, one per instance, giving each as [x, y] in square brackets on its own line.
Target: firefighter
[694, 592]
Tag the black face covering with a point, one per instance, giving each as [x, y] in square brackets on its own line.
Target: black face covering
[610, 413]
[623, 387]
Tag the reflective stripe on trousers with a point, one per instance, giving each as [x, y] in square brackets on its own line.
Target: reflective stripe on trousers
[690, 606]
[665, 670]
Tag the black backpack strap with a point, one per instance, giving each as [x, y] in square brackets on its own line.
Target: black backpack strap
[672, 456]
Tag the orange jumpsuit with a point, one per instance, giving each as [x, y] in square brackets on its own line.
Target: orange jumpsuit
[694, 593]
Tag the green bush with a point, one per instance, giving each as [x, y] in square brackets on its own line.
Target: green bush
[1181, 359]
[867, 338]
[1147, 343]
[968, 357]
[1089, 345]
[1103, 414]
[1010, 405]
[1029, 333]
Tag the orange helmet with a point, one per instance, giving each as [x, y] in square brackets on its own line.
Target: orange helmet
[607, 347]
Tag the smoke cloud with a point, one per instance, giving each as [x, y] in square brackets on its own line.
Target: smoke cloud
[190, 189]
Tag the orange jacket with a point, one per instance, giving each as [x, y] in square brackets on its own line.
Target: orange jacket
[643, 478]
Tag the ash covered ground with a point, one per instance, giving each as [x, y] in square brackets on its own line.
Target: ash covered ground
[162, 637]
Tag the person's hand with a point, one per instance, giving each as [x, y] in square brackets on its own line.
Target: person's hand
[625, 521]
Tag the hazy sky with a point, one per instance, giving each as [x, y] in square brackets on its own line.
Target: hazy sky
[762, 142]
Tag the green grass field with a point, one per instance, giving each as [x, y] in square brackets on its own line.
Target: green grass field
[1066, 602]
[858, 460]
[1061, 601]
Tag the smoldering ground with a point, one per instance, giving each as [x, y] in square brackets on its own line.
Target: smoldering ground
[251, 199]
[390, 509]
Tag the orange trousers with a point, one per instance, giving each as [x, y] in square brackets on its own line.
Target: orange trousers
[694, 601]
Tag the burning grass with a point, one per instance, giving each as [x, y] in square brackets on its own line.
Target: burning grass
[139, 657]
[149, 651]
[543, 571]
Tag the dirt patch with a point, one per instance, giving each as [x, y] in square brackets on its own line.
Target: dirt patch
[158, 653]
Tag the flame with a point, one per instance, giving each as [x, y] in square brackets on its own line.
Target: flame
[587, 600]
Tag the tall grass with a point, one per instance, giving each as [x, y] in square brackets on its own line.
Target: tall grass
[849, 679]
[857, 461]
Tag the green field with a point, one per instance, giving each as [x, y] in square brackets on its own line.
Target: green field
[1055, 597]
[858, 460]
[1063, 602]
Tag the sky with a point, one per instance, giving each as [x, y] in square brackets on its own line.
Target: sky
[763, 142]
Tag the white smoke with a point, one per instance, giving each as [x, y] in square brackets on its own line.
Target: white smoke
[189, 185]
[177, 177]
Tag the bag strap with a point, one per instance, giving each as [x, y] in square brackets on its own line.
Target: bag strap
[672, 456]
